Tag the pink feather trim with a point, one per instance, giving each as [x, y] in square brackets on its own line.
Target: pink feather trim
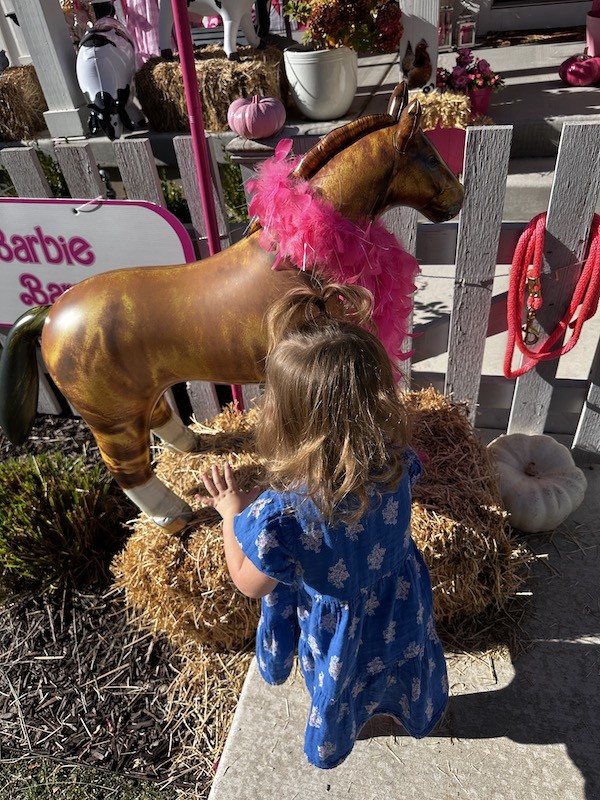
[313, 235]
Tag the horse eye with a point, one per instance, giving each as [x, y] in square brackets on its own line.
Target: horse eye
[432, 161]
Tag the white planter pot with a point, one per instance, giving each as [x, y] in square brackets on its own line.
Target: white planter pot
[322, 82]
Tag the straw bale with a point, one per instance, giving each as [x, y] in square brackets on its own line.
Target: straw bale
[159, 86]
[22, 104]
[450, 109]
[180, 586]
[458, 520]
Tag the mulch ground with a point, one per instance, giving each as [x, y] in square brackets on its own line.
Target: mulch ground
[78, 681]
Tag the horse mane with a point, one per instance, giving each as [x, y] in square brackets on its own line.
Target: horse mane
[337, 140]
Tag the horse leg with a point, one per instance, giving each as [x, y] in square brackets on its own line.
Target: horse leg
[168, 426]
[125, 449]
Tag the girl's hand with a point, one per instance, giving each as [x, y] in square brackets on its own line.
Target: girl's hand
[225, 496]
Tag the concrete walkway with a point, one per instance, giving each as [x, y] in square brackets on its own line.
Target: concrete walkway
[518, 727]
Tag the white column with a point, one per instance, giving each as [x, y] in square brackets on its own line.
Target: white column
[53, 55]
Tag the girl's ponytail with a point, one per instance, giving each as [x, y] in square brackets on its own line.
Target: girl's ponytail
[316, 304]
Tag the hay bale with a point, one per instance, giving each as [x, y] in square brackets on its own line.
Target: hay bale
[179, 585]
[159, 86]
[22, 104]
[458, 520]
[450, 109]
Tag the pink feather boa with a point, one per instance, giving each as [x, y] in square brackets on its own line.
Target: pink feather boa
[314, 236]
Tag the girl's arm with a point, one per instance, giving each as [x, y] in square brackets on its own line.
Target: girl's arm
[227, 499]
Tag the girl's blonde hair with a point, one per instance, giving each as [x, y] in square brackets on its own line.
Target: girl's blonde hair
[332, 422]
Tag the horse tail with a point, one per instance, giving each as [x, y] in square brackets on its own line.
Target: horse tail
[19, 375]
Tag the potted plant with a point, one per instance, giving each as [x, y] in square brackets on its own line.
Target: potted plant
[471, 75]
[322, 71]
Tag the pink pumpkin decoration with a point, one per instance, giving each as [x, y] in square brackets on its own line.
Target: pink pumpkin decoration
[580, 70]
[256, 117]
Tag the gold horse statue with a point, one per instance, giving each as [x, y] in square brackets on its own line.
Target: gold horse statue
[115, 342]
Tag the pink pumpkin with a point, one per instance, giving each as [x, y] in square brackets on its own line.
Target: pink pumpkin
[580, 70]
[256, 117]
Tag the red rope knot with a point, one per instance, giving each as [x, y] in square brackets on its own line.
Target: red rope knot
[525, 292]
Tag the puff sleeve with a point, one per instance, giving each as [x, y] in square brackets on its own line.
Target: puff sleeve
[266, 532]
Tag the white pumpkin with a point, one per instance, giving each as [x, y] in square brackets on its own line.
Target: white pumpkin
[540, 483]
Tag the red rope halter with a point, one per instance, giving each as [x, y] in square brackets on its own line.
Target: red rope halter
[525, 275]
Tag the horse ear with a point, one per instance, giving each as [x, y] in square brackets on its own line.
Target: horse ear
[398, 100]
[408, 124]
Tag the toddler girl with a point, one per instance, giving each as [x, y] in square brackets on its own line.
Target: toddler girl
[328, 546]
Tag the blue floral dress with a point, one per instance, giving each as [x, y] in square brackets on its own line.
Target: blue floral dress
[356, 601]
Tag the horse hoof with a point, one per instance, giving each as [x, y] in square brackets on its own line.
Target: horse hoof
[233, 56]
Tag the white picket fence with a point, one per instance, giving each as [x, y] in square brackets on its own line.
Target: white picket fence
[473, 250]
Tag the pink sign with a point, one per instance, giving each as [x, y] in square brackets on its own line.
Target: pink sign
[48, 245]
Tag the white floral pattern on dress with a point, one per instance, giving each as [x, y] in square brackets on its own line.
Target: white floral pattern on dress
[315, 720]
[265, 541]
[271, 599]
[420, 612]
[370, 707]
[312, 538]
[270, 644]
[353, 530]
[338, 574]
[429, 709]
[414, 650]
[416, 689]
[344, 711]
[321, 678]
[314, 647]
[287, 612]
[353, 626]
[402, 588]
[375, 666]
[357, 688]
[257, 506]
[308, 663]
[335, 667]
[371, 604]
[390, 680]
[326, 749]
[404, 705]
[389, 633]
[390, 512]
[375, 557]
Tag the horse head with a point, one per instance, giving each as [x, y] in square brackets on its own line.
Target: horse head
[397, 162]
[434, 189]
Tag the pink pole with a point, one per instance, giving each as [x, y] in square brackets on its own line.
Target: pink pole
[183, 36]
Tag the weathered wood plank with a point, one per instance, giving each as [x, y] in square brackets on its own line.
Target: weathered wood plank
[138, 170]
[586, 444]
[402, 222]
[573, 198]
[204, 400]
[486, 164]
[184, 152]
[25, 170]
[436, 242]
[251, 394]
[78, 165]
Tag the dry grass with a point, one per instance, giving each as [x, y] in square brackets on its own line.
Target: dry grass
[22, 104]
[159, 86]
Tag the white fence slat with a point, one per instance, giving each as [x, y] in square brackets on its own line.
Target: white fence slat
[78, 165]
[573, 197]
[402, 222]
[25, 170]
[251, 394]
[586, 443]
[204, 400]
[184, 152]
[138, 170]
[436, 242]
[487, 152]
